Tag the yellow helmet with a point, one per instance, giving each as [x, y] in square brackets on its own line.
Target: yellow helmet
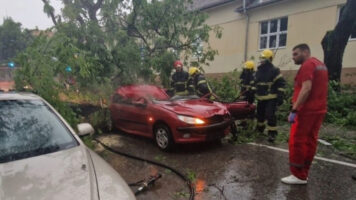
[249, 65]
[193, 70]
[267, 55]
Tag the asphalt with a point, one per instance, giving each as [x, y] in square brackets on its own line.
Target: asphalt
[226, 171]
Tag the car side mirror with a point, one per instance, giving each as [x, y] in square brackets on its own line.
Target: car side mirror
[85, 129]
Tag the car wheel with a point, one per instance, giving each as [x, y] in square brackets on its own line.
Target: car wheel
[163, 137]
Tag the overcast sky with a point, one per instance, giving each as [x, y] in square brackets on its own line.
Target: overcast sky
[28, 12]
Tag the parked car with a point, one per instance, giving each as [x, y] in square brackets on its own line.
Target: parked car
[41, 157]
[148, 111]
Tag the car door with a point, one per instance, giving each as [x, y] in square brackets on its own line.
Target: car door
[116, 109]
[136, 115]
[130, 115]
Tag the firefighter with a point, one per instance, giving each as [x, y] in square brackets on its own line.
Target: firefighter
[247, 81]
[197, 83]
[179, 80]
[269, 92]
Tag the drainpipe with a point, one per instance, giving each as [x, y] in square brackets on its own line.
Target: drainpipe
[247, 29]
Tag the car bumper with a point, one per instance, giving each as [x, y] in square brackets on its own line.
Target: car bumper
[194, 134]
[215, 126]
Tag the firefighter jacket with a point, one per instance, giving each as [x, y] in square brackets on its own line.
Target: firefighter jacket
[269, 83]
[200, 85]
[179, 83]
[247, 80]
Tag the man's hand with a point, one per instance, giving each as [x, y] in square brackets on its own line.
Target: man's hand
[292, 116]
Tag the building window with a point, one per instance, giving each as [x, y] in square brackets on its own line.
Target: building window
[273, 33]
[353, 33]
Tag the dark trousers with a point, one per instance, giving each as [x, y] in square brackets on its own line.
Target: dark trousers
[266, 110]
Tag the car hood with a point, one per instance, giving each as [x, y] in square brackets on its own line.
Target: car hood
[195, 107]
[67, 174]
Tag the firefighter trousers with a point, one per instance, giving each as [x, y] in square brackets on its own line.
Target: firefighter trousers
[266, 110]
[303, 142]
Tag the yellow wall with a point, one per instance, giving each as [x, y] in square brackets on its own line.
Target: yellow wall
[308, 21]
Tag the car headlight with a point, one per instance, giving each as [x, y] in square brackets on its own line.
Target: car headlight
[190, 120]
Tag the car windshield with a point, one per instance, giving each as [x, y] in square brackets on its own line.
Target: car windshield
[29, 128]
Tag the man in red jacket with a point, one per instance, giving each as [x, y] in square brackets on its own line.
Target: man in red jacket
[308, 111]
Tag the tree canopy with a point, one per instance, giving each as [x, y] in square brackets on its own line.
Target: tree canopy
[12, 39]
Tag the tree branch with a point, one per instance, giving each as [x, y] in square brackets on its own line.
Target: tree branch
[50, 11]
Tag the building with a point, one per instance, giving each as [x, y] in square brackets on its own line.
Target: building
[252, 25]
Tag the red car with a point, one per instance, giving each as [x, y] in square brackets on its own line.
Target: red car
[147, 110]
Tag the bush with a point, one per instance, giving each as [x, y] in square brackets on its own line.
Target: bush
[341, 105]
[227, 88]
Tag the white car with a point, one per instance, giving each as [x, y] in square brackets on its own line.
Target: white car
[42, 158]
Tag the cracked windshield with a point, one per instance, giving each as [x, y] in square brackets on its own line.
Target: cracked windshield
[178, 99]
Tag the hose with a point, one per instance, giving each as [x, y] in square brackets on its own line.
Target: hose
[185, 179]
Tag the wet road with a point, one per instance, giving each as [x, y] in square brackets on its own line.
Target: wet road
[226, 171]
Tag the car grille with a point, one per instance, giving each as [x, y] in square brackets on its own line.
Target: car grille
[217, 119]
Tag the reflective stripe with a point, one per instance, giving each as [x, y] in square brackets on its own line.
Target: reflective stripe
[179, 83]
[253, 88]
[265, 83]
[278, 77]
[281, 89]
[266, 97]
[183, 93]
[272, 128]
[321, 68]
[191, 86]
[297, 165]
[201, 82]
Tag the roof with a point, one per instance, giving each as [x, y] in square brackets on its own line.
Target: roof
[206, 4]
[252, 4]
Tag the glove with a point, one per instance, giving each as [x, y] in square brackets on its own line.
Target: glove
[292, 116]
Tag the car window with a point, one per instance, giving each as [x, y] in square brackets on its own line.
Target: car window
[29, 128]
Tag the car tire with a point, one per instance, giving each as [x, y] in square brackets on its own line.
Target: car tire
[163, 137]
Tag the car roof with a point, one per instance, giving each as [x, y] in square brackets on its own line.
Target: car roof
[135, 91]
[18, 96]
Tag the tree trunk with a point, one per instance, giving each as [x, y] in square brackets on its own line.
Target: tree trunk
[334, 42]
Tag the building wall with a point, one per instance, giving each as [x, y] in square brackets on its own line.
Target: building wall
[308, 21]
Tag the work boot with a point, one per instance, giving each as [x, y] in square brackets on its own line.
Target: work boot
[292, 180]
[354, 177]
[272, 136]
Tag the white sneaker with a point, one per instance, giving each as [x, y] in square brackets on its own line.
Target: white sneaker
[293, 180]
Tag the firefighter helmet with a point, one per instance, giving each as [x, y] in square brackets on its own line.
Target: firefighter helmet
[193, 70]
[177, 63]
[249, 65]
[267, 54]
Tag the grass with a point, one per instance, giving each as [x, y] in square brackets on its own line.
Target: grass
[191, 175]
[344, 146]
[88, 141]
